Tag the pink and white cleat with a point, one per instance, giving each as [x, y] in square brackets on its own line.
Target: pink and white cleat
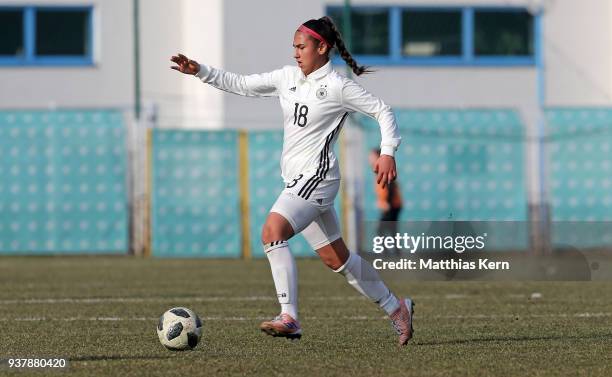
[401, 320]
[282, 326]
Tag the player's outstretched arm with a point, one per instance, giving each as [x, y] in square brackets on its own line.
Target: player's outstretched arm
[256, 85]
[185, 65]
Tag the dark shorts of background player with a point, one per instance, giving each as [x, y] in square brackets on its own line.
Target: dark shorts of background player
[387, 225]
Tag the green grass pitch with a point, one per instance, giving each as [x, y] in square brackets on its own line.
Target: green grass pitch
[101, 313]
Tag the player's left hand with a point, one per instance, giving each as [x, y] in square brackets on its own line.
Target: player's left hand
[385, 170]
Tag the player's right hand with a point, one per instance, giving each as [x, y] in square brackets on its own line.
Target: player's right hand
[385, 169]
[185, 65]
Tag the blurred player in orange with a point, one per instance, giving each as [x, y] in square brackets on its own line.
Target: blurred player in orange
[388, 200]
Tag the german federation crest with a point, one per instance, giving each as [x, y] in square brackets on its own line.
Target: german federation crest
[321, 93]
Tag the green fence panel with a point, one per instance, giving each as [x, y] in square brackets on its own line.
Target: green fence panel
[580, 173]
[195, 194]
[457, 165]
[63, 186]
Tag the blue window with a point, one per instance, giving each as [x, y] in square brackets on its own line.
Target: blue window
[370, 30]
[396, 35]
[11, 33]
[46, 36]
[499, 33]
[428, 33]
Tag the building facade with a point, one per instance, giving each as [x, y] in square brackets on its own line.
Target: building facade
[569, 41]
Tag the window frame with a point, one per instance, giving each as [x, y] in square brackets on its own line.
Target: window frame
[30, 57]
[467, 57]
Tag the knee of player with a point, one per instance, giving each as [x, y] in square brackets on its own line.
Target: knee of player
[332, 262]
[271, 233]
[334, 255]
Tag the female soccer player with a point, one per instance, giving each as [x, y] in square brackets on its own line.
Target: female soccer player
[315, 101]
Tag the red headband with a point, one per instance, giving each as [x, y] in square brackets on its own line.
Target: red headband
[309, 31]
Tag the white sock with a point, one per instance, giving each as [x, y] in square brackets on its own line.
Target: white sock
[364, 278]
[284, 273]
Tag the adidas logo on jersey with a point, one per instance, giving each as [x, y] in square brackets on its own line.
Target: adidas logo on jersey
[293, 89]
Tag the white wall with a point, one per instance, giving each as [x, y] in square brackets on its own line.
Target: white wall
[193, 28]
[160, 38]
[203, 41]
[578, 53]
[109, 83]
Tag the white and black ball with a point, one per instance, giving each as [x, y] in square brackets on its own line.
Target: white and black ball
[179, 329]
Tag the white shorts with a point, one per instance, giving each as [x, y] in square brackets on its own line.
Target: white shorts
[309, 208]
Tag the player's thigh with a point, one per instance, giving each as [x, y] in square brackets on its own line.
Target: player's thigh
[295, 211]
[323, 230]
[324, 236]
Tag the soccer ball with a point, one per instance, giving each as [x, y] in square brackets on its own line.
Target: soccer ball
[179, 329]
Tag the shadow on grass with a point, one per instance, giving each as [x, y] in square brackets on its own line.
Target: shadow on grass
[117, 357]
[514, 339]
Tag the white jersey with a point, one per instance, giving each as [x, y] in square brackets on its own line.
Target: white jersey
[314, 110]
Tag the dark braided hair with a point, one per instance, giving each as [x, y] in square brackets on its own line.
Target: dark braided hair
[328, 30]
